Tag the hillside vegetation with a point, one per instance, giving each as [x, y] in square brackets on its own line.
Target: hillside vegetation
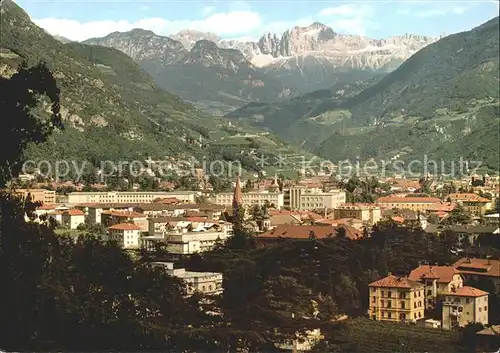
[111, 108]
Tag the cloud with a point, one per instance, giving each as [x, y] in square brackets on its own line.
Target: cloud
[235, 23]
[207, 10]
[430, 13]
[350, 18]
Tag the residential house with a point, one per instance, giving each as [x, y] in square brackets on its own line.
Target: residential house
[72, 218]
[397, 299]
[112, 217]
[126, 234]
[208, 283]
[437, 280]
[474, 268]
[464, 305]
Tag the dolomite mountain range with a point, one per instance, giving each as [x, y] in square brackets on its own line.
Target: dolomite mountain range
[220, 75]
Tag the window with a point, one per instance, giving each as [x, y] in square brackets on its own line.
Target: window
[467, 300]
[403, 305]
[402, 295]
[480, 309]
[485, 308]
[389, 315]
[389, 304]
[414, 305]
[389, 294]
[382, 293]
[429, 292]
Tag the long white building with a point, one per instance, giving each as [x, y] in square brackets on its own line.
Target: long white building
[252, 198]
[129, 196]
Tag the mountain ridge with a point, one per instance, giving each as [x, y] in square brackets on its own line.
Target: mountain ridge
[445, 93]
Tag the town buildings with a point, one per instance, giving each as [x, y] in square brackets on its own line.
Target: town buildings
[248, 199]
[415, 203]
[208, 283]
[129, 196]
[472, 203]
[311, 200]
[474, 268]
[437, 280]
[38, 195]
[397, 299]
[464, 305]
[368, 214]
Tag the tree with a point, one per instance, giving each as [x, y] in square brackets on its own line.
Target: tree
[21, 94]
[458, 216]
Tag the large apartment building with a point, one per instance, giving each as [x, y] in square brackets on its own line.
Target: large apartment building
[38, 195]
[292, 195]
[129, 196]
[397, 299]
[186, 243]
[249, 199]
[310, 200]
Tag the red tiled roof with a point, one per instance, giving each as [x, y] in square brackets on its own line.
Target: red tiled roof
[467, 291]
[468, 197]
[396, 282]
[398, 219]
[303, 232]
[481, 267]
[129, 214]
[444, 274]
[47, 206]
[125, 226]
[409, 199]
[441, 207]
[74, 212]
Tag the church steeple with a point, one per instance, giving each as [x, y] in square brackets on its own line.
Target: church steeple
[237, 196]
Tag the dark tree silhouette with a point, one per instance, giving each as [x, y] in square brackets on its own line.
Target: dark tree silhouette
[21, 95]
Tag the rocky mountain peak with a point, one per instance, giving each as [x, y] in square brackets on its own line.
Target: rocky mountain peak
[188, 37]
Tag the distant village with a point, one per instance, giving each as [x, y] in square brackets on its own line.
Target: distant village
[186, 222]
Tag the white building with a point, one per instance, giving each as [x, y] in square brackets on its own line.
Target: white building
[72, 218]
[128, 235]
[208, 283]
[129, 196]
[249, 199]
[464, 305]
[186, 243]
[313, 200]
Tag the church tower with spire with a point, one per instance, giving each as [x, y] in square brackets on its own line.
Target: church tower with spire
[237, 197]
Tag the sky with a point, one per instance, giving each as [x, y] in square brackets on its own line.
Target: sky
[248, 20]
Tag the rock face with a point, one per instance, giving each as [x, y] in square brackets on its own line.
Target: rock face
[217, 79]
